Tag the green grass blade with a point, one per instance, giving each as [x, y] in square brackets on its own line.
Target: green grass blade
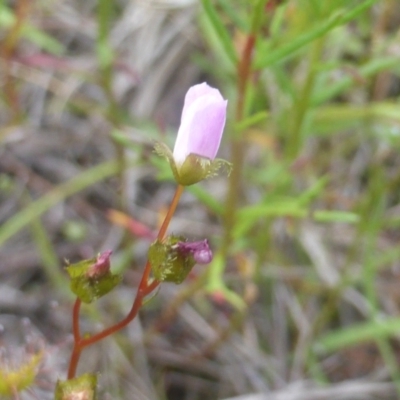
[368, 70]
[222, 33]
[265, 57]
[59, 193]
[356, 334]
[49, 258]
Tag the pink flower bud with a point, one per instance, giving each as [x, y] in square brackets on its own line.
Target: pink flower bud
[200, 251]
[101, 266]
[202, 124]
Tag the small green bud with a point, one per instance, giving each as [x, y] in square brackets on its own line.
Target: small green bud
[168, 264]
[173, 259]
[92, 279]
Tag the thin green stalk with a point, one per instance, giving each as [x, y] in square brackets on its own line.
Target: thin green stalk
[370, 228]
[104, 52]
[244, 71]
[390, 360]
[106, 57]
[373, 215]
[238, 150]
[50, 262]
[302, 103]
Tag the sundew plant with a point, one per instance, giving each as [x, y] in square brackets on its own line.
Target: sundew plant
[199, 199]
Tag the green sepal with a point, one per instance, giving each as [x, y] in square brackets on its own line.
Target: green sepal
[80, 268]
[167, 264]
[88, 288]
[162, 150]
[82, 387]
[197, 168]
[217, 165]
[194, 169]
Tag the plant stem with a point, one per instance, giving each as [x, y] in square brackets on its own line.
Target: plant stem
[302, 104]
[170, 213]
[143, 290]
[77, 336]
[121, 324]
[76, 353]
[237, 146]
[75, 319]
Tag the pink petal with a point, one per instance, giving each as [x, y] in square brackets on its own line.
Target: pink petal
[202, 123]
[101, 266]
[197, 91]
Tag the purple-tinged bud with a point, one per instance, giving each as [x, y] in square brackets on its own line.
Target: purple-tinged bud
[200, 250]
[199, 136]
[101, 266]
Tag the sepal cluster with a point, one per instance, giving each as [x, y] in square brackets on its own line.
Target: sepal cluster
[173, 258]
[194, 169]
[92, 278]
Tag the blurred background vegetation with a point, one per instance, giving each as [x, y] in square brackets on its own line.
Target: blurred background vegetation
[302, 298]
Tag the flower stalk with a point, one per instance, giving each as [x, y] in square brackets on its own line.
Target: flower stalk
[193, 159]
[145, 287]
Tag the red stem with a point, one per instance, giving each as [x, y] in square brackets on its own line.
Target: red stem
[244, 69]
[153, 285]
[143, 290]
[73, 363]
[77, 337]
[75, 319]
[170, 213]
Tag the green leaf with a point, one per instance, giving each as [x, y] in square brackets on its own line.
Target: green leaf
[252, 120]
[216, 284]
[42, 40]
[220, 30]
[34, 35]
[336, 216]
[235, 14]
[356, 334]
[366, 71]
[277, 207]
[313, 192]
[265, 57]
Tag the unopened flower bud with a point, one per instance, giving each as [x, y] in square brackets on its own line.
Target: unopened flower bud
[202, 124]
[200, 251]
[172, 259]
[92, 278]
[199, 136]
[101, 266]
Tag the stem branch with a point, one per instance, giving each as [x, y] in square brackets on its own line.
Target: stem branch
[143, 290]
